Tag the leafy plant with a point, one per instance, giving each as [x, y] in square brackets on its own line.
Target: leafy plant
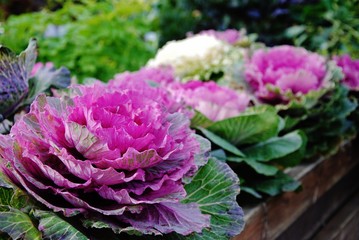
[254, 147]
[20, 84]
[214, 187]
[330, 27]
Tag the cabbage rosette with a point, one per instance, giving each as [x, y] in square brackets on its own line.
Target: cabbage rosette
[283, 73]
[108, 152]
[304, 87]
[210, 99]
[350, 69]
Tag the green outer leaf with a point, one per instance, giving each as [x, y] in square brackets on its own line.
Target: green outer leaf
[275, 147]
[28, 57]
[17, 224]
[215, 188]
[11, 195]
[255, 125]
[280, 183]
[262, 168]
[221, 142]
[4, 181]
[46, 78]
[251, 191]
[54, 227]
[200, 120]
[296, 157]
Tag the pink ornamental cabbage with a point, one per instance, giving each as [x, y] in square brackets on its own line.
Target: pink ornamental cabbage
[108, 151]
[230, 36]
[350, 68]
[153, 81]
[276, 71]
[214, 101]
[161, 75]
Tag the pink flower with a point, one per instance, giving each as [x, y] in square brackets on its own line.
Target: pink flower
[278, 70]
[110, 151]
[214, 101]
[350, 68]
[230, 36]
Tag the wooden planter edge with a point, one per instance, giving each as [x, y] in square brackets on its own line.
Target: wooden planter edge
[271, 218]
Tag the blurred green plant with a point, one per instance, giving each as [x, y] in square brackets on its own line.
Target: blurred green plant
[326, 26]
[329, 27]
[92, 38]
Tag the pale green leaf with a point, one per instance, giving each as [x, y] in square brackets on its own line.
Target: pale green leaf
[215, 188]
[53, 227]
[255, 125]
[17, 224]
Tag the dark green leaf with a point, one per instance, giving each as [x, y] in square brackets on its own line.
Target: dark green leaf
[261, 168]
[251, 191]
[294, 158]
[221, 142]
[279, 183]
[275, 147]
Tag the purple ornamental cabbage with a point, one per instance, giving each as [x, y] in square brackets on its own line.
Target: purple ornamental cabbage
[214, 101]
[14, 77]
[350, 69]
[111, 152]
[21, 80]
[274, 72]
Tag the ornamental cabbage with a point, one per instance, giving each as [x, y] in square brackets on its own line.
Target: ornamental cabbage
[350, 69]
[21, 80]
[14, 78]
[231, 36]
[273, 73]
[214, 101]
[109, 152]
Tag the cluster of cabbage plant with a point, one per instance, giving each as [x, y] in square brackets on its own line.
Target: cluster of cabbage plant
[161, 151]
[107, 161]
[297, 105]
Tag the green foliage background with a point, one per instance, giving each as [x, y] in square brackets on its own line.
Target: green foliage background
[324, 26]
[100, 39]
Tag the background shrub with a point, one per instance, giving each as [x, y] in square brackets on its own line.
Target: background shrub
[327, 26]
[92, 38]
